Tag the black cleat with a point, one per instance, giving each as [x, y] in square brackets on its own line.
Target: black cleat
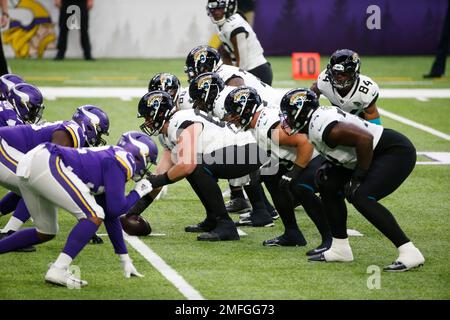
[96, 239]
[274, 214]
[320, 257]
[238, 205]
[285, 241]
[5, 234]
[199, 227]
[323, 247]
[247, 222]
[398, 266]
[225, 230]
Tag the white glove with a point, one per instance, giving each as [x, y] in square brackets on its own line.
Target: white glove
[128, 267]
[143, 187]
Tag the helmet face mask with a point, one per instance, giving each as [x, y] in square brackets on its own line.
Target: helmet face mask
[204, 90]
[27, 101]
[166, 82]
[297, 107]
[228, 7]
[143, 150]
[241, 105]
[155, 107]
[201, 59]
[94, 122]
[343, 69]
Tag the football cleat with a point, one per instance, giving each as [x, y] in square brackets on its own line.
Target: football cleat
[96, 239]
[225, 231]
[258, 218]
[63, 277]
[398, 266]
[332, 255]
[321, 248]
[238, 205]
[199, 227]
[246, 215]
[285, 241]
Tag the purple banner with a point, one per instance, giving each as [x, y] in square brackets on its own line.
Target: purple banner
[406, 27]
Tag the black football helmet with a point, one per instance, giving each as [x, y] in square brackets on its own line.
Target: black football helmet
[204, 89]
[229, 6]
[166, 82]
[201, 59]
[343, 61]
[155, 107]
[297, 106]
[241, 105]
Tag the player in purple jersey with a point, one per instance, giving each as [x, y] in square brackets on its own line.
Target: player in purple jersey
[7, 81]
[89, 183]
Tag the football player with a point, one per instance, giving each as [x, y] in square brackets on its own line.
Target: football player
[343, 85]
[171, 84]
[88, 125]
[360, 155]
[202, 150]
[296, 164]
[203, 59]
[239, 39]
[89, 183]
[7, 81]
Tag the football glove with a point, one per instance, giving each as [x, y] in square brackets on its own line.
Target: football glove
[290, 176]
[352, 186]
[143, 187]
[129, 269]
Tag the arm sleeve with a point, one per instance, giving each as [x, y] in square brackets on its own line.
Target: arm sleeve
[115, 234]
[116, 203]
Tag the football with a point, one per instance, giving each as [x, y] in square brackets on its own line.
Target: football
[135, 225]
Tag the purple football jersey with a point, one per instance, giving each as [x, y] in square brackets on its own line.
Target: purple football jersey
[26, 137]
[88, 164]
[8, 116]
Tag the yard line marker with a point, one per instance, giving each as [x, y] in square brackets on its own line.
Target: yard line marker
[414, 124]
[167, 271]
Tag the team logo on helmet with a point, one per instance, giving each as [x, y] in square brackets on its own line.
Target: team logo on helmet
[200, 56]
[298, 99]
[166, 80]
[154, 103]
[241, 97]
[355, 57]
[205, 83]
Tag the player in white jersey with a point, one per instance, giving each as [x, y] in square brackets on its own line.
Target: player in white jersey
[204, 58]
[366, 163]
[343, 85]
[171, 84]
[202, 150]
[294, 164]
[239, 39]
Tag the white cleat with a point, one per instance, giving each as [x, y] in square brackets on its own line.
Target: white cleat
[411, 259]
[63, 277]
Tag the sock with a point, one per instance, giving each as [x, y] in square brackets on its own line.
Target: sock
[8, 203]
[409, 255]
[19, 239]
[80, 235]
[21, 211]
[63, 261]
[13, 224]
[236, 192]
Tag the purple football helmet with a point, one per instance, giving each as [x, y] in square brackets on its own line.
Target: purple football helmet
[27, 100]
[7, 81]
[143, 149]
[94, 122]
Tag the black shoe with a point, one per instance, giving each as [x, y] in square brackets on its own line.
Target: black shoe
[323, 247]
[285, 241]
[430, 75]
[320, 257]
[238, 205]
[225, 231]
[96, 239]
[199, 227]
[247, 222]
[5, 234]
[274, 214]
[398, 266]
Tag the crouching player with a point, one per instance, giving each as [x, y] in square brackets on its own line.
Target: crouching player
[90, 184]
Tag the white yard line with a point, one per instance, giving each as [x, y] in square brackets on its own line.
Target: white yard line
[414, 124]
[167, 271]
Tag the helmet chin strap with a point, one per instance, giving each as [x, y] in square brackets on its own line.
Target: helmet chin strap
[219, 22]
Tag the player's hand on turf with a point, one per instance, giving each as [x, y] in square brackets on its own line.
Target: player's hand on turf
[129, 269]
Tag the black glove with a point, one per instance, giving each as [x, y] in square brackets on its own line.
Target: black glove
[290, 176]
[96, 239]
[322, 174]
[352, 186]
[159, 180]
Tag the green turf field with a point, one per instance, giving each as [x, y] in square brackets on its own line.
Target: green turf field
[245, 269]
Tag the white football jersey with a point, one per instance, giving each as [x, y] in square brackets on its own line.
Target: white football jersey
[340, 155]
[234, 25]
[184, 100]
[363, 92]
[214, 136]
[269, 94]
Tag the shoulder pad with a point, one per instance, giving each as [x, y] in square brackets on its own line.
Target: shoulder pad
[126, 161]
